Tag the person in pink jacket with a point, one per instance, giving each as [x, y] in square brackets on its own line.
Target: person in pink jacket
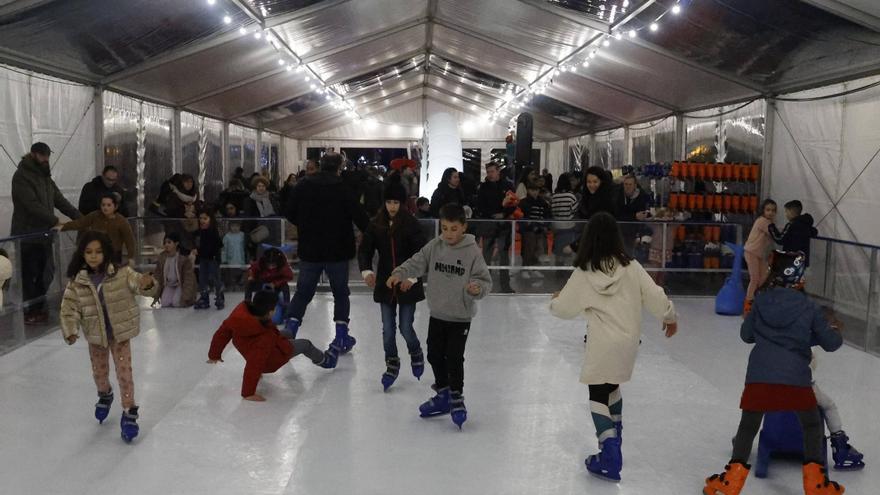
[758, 247]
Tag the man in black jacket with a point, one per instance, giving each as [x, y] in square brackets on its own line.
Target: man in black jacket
[632, 203]
[324, 209]
[34, 200]
[107, 182]
[490, 206]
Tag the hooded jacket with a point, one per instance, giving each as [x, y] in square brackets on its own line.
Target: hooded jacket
[395, 246]
[35, 198]
[612, 304]
[81, 306]
[323, 209]
[262, 346]
[796, 235]
[450, 269]
[90, 196]
[784, 324]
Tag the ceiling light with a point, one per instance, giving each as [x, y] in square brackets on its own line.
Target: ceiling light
[281, 61]
[242, 30]
[289, 68]
[676, 9]
[258, 35]
[632, 33]
[212, 2]
[586, 63]
[606, 42]
[654, 26]
[227, 19]
[308, 78]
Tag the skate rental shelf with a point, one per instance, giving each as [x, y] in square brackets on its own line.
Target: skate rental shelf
[713, 105]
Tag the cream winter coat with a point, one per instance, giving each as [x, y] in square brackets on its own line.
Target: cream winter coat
[5, 274]
[81, 308]
[613, 306]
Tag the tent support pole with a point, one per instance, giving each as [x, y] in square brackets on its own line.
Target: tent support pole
[176, 144]
[680, 152]
[767, 158]
[224, 152]
[99, 129]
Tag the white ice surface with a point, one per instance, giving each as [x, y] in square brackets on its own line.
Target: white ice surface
[335, 432]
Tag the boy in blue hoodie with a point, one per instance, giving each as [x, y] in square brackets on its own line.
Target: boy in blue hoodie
[783, 324]
[457, 278]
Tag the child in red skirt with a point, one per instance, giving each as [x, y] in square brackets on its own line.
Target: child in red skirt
[783, 324]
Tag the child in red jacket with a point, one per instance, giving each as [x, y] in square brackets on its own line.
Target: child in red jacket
[251, 331]
[270, 272]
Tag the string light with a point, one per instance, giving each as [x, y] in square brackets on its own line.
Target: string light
[212, 2]
[227, 19]
[242, 30]
[539, 86]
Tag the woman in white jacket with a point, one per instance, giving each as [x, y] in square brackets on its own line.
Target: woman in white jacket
[610, 289]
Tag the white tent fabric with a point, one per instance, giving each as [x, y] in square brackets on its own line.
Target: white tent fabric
[40, 108]
[826, 153]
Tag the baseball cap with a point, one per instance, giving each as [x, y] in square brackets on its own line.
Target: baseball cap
[41, 148]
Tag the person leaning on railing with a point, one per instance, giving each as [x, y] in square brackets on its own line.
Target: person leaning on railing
[108, 221]
[35, 196]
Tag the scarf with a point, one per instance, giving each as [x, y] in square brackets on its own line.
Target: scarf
[264, 203]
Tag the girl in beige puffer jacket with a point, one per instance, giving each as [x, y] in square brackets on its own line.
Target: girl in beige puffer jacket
[99, 299]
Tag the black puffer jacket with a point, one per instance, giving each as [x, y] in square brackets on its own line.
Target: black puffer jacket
[394, 246]
[324, 209]
[90, 196]
[35, 198]
[796, 235]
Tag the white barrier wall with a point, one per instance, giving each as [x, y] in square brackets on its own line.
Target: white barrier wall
[34, 107]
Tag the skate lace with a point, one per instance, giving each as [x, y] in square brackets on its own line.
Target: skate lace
[827, 482]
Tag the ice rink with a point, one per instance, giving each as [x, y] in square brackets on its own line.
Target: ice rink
[335, 432]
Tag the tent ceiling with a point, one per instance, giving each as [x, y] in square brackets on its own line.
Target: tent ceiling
[462, 53]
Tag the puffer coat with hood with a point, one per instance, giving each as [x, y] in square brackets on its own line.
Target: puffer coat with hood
[784, 324]
[612, 304]
[81, 306]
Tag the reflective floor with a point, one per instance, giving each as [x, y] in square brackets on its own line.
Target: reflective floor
[335, 432]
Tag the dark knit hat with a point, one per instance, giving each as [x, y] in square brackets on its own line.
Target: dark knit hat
[264, 302]
[41, 148]
[395, 192]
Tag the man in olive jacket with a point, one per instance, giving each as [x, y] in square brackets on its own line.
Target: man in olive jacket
[34, 200]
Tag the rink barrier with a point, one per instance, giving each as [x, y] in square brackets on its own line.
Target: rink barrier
[843, 274]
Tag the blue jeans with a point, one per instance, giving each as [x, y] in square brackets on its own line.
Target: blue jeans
[307, 284]
[209, 275]
[389, 328]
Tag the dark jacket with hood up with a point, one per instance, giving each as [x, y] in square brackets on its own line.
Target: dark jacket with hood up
[796, 235]
[784, 324]
[35, 198]
[323, 209]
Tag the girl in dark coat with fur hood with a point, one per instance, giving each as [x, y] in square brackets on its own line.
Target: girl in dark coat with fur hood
[396, 235]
